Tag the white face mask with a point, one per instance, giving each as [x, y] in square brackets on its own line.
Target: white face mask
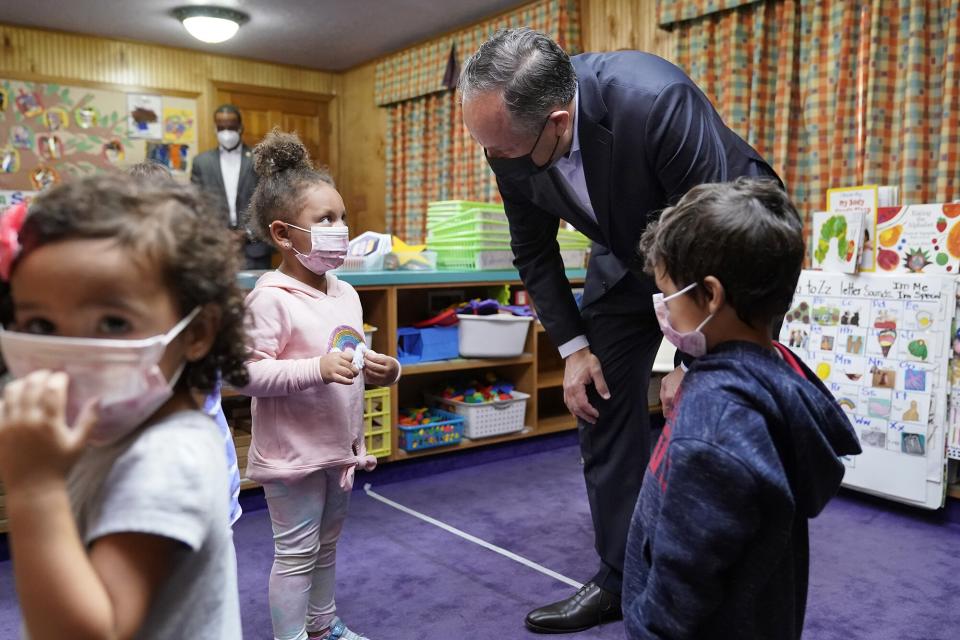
[228, 139]
[328, 247]
[123, 374]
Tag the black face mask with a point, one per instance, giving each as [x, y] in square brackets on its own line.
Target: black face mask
[522, 167]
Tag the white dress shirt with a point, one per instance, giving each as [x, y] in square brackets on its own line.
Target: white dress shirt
[230, 168]
[570, 168]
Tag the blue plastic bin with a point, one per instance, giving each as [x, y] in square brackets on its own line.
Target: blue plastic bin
[439, 434]
[427, 345]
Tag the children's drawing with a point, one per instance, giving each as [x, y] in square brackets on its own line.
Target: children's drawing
[884, 378]
[826, 315]
[914, 379]
[143, 114]
[823, 370]
[855, 345]
[28, 104]
[9, 160]
[874, 438]
[50, 147]
[21, 137]
[912, 414]
[43, 177]
[878, 408]
[87, 117]
[799, 313]
[913, 444]
[56, 119]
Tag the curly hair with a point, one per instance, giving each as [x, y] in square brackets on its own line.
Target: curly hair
[283, 164]
[167, 225]
[746, 233]
[150, 170]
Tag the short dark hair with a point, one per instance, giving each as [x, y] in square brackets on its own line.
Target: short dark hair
[167, 224]
[747, 234]
[532, 72]
[229, 108]
[283, 164]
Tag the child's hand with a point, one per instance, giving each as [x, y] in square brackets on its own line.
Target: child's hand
[380, 369]
[36, 444]
[337, 366]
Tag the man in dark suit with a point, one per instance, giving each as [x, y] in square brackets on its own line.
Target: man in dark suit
[227, 174]
[603, 141]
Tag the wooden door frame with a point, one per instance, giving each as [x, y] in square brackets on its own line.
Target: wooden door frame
[218, 88]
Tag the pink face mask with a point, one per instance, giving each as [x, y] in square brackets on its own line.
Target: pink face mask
[692, 343]
[123, 375]
[328, 247]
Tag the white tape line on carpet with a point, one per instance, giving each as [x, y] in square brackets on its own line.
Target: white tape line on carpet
[475, 540]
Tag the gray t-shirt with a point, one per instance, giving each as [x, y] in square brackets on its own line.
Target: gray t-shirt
[169, 480]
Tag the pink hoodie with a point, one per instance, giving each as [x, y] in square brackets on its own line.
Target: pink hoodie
[300, 423]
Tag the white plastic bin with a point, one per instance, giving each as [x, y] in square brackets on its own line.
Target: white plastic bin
[495, 336]
[488, 418]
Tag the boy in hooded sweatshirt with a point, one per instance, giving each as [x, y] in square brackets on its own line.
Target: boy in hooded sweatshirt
[718, 545]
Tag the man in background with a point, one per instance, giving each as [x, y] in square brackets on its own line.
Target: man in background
[226, 173]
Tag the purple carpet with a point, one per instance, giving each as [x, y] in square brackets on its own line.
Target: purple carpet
[878, 571]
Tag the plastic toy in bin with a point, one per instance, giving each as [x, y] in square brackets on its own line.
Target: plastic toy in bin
[491, 390]
[422, 428]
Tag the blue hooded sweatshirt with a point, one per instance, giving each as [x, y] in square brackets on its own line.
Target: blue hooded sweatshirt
[718, 545]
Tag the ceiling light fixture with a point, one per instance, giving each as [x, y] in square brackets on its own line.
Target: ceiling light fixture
[210, 24]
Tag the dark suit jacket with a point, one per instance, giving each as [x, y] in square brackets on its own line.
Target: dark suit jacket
[647, 135]
[207, 175]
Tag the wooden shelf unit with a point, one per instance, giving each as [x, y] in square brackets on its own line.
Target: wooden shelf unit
[537, 372]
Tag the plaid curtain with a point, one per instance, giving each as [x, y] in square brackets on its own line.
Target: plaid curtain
[670, 12]
[430, 155]
[838, 92]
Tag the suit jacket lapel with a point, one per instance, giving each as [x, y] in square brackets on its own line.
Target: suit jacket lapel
[246, 170]
[218, 173]
[596, 149]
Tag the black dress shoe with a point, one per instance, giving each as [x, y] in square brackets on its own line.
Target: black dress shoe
[587, 608]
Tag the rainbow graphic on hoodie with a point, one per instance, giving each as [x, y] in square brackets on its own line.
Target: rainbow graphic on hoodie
[345, 337]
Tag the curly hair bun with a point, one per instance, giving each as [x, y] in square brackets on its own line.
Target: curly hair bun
[278, 152]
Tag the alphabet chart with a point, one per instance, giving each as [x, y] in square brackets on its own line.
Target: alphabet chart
[882, 346]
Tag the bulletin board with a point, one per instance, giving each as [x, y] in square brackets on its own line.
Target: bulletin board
[880, 344]
[52, 132]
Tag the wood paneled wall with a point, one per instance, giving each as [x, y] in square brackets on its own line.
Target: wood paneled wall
[359, 126]
[363, 140]
[610, 25]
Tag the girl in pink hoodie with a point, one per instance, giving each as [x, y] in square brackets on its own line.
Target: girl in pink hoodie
[307, 381]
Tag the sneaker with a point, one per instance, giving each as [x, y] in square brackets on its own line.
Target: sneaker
[339, 631]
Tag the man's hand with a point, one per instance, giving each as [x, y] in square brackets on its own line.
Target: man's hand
[581, 369]
[668, 390]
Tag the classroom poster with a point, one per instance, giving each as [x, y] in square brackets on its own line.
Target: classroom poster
[51, 132]
[859, 201]
[919, 238]
[881, 346]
